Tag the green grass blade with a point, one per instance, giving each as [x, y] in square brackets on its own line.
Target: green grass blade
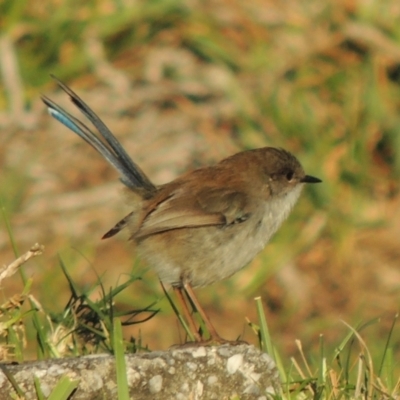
[74, 289]
[8, 227]
[122, 380]
[39, 392]
[387, 344]
[11, 379]
[63, 389]
[322, 361]
[266, 342]
[178, 314]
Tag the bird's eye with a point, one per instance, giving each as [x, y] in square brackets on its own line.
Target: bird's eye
[289, 175]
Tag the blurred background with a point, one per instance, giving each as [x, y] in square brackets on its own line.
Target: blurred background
[184, 84]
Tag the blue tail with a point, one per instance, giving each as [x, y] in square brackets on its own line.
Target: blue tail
[130, 173]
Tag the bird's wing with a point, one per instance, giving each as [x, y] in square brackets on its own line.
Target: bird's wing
[184, 209]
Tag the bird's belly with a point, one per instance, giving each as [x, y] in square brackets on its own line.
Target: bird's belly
[204, 255]
[199, 259]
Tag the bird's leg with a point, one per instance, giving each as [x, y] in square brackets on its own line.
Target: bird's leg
[214, 337]
[188, 316]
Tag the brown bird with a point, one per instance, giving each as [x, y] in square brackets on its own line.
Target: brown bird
[205, 225]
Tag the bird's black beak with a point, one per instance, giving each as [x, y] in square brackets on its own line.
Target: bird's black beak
[310, 179]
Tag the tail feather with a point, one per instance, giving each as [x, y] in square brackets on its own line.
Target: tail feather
[131, 174]
[118, 226]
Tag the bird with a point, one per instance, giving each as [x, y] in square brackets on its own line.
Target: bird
[205, 225]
